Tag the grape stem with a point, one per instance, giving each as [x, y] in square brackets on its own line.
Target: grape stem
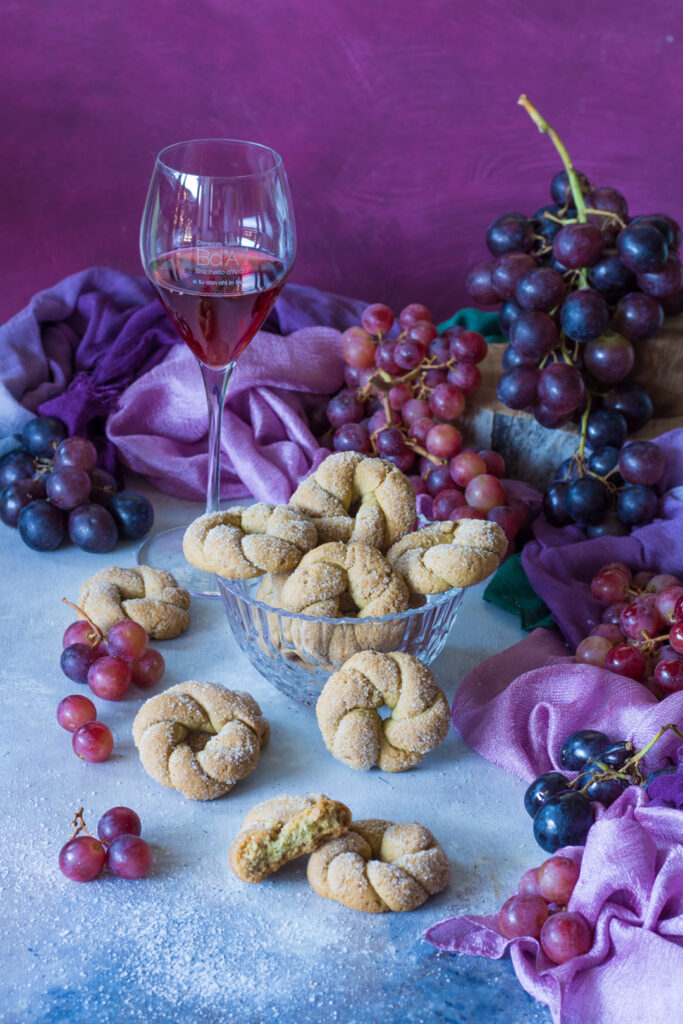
[631, 768]
[584, 428]
[545, 128]
[78, 823]
[97, 632]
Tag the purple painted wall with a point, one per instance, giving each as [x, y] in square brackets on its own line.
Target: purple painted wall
[397, 122]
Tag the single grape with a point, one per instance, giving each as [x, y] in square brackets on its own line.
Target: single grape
[352, 437]
[465, 512]
[127, 640]
[507, 314]
[132, 513]
[506, 519]
[68, 488]
[610, 585]
[563, 820]
[625, 660]
[676, 637]
[485, 492]
[609, 358]
[605, 428]
[632, 402]
[18, 495]
[479, 285]
[664, 283]
[377, 318]
[74, 711]
[566, 935]
[528, 885]
[438, 479]
[638, 316]
[549, 418]
[440, 350]
[586, 500]
[509, 270]
[444, 441]
[494, 462]
[561, 388]
[102, 486]
[616, 755]
[446, 502]
[398, 396]
[661, 581]
[408, 354]
[109, 678]
[604, 461]
[81, 632]
[667, 227]
[78, 452]
[637, 505]
[422, 332]
[669, 676]
[466, 346]
[92, 528]
[465, 376]
[118, 821]
[518, 388]
[358, 348]
[42, 435]
[533, 334]
[578, 245]
[414, 409]
[667, 600]
[611, 277]
[554, 508]
[556, 879]
[642, 462]
[609, 200]
[642, 578]
[642, 248]
[41, 525]
[384, 359]
[580, 746]
[344, 408]
[148, 670]
[605, 791]
[93, 742]
[512, 359]
[419, 485]
[129, 856]
[446, 402]
[612, 612]
[522, 915]
[16, 466]
[508, 233]
[76, 660]
[376, 421]
[465, 467]
[593, 651]
[419, 429]
[403, 460]
[584, 315]
[412, 313]
[541, 789]
[82, 858]
[560, 189]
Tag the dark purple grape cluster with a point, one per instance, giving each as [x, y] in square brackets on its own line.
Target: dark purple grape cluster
[562, 807]
[51, 487]
[610, 490]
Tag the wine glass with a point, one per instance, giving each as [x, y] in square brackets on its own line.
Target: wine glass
[217, 241]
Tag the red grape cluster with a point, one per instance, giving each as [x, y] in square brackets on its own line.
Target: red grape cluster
[52, 487]
[582, 286]
[538, 911]
[404, 393]
[641, 633]
[608, 492]
[110, 666]
[118, 845]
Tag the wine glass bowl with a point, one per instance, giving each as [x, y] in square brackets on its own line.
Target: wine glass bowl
[217, 241]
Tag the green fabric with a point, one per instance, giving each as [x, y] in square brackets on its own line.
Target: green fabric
[510, 589]
[475, 320]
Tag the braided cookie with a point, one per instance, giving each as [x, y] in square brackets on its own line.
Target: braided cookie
[355, 498]
[449, 554]
[353, 730]
[283, 828]
[378, 866]
[200, 738]
[150, 597]
[243, 542]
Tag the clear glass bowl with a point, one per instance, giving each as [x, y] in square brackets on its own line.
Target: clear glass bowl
[298, 653]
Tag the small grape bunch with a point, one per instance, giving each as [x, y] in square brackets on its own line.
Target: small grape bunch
[469, 486]
[610, 492]
[110, 666]
[561, 807]
[405, 391]
[538, 911]
[118, 845]
[583, 288]
[52, 487]
[641, 632]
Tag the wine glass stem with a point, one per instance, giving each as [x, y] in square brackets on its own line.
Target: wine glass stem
[215, 385]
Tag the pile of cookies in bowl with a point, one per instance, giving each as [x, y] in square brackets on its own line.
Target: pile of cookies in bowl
[338, 570]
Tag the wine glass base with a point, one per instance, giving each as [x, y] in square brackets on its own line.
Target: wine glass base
[164, 550]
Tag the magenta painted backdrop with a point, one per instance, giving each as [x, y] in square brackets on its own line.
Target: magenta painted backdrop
[397, 122]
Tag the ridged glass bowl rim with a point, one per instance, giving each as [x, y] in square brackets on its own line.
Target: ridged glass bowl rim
[437, 602]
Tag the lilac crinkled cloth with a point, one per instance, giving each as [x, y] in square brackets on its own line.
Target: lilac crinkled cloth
[631, 892]
[77, 347]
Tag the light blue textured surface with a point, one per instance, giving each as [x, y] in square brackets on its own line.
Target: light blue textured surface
[191, 943]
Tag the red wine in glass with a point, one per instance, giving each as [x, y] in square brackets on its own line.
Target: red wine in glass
[217, 296]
